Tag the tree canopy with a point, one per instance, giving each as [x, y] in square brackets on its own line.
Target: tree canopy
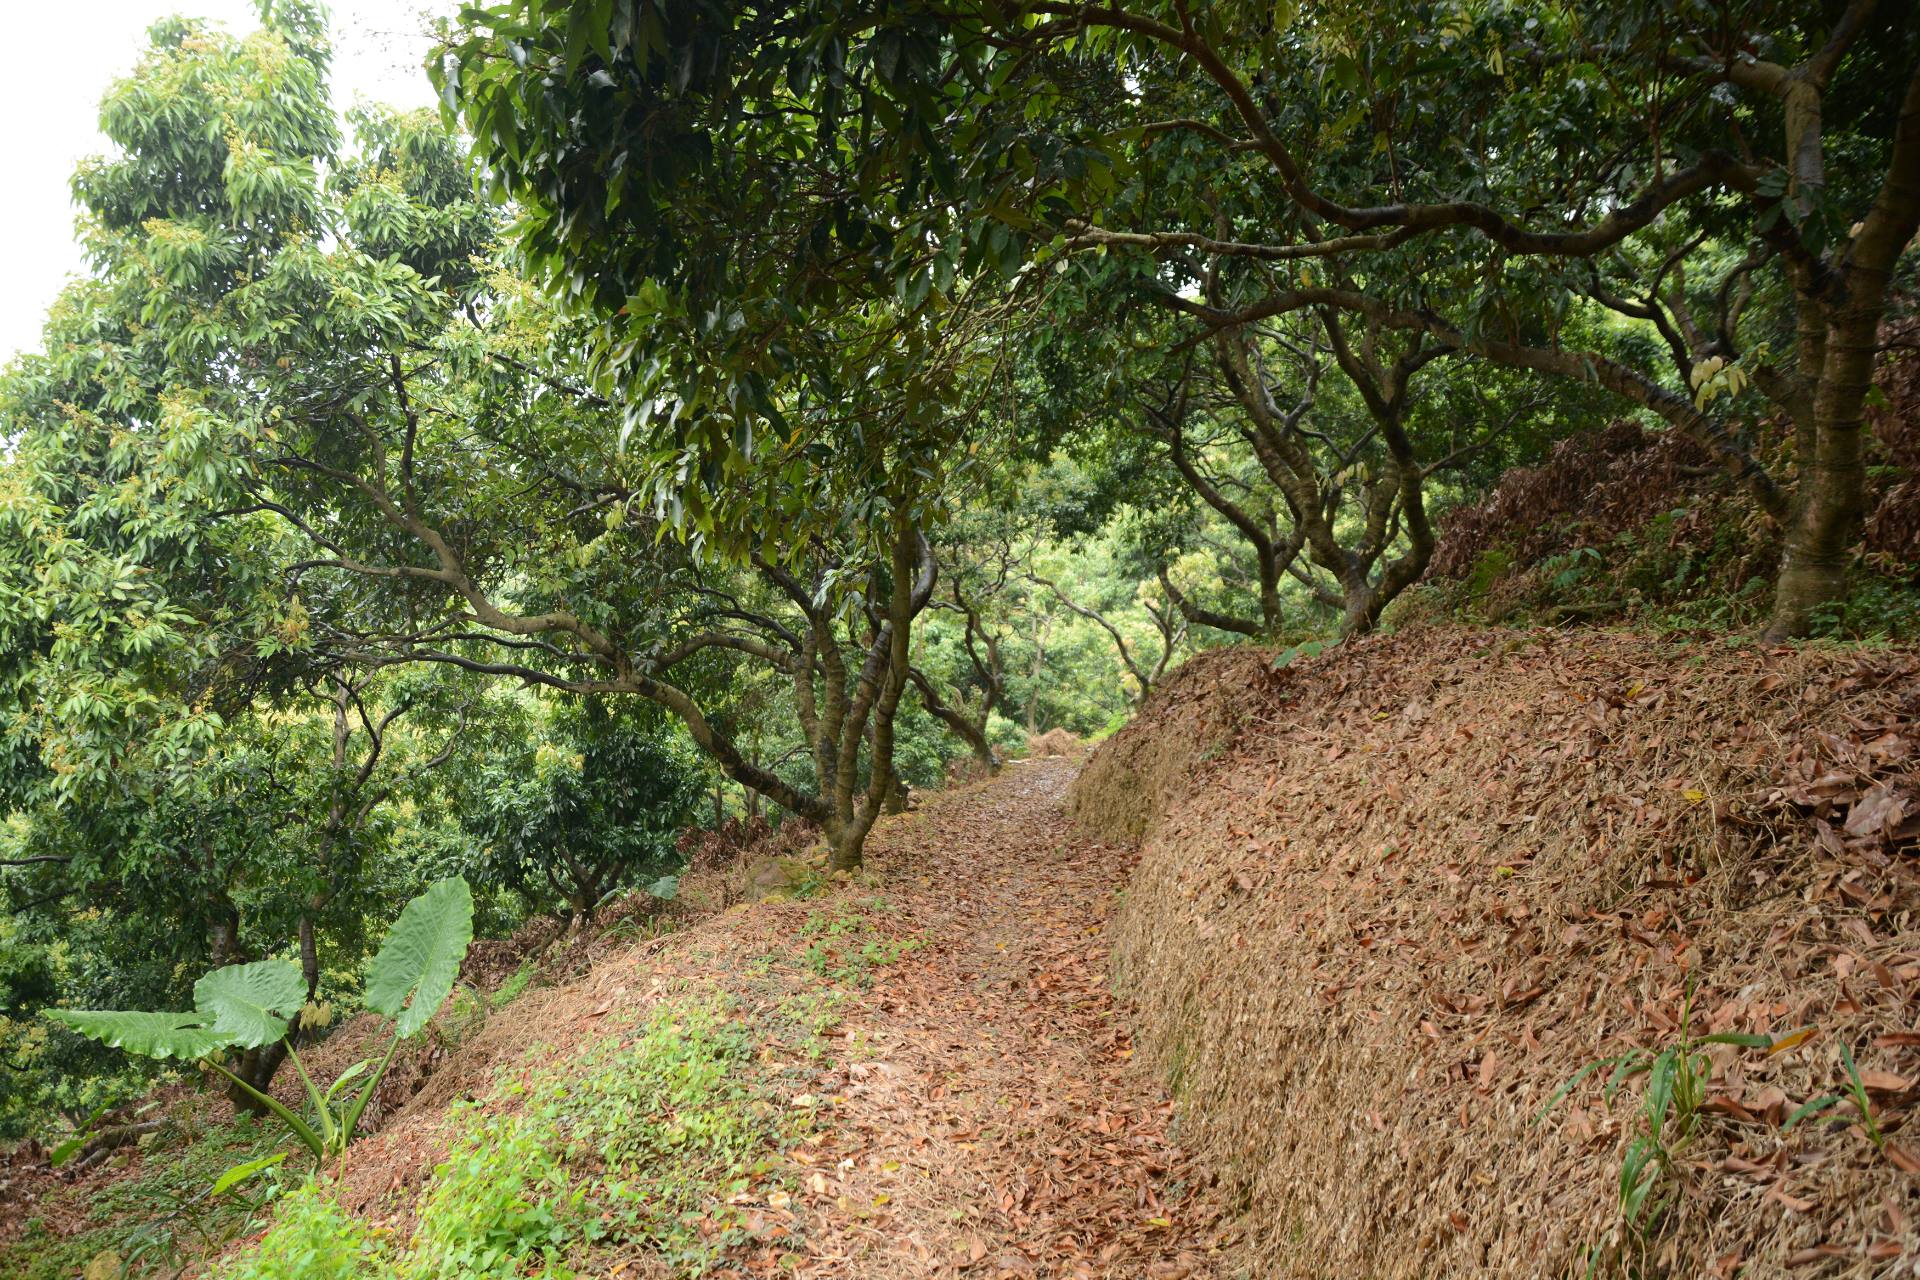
[790, 404]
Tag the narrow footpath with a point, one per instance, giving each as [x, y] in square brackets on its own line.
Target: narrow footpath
[939, 1030]
[999, 1127]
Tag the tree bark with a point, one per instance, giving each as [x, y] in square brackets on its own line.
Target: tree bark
[969, 732]
[1831, 495]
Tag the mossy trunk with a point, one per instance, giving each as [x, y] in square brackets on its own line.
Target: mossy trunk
[1831, 497]
[845, 843]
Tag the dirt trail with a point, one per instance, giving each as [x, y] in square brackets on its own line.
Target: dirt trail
[972, 1107]
[989, 1120]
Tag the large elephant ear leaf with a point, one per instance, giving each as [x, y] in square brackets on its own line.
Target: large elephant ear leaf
[420, 960]
[252, 1003]
[150, 1035]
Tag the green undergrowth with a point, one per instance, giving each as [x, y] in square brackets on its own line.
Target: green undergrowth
[844, 946]
[170, 1210]
[150, 1220]
[1703, 567]
[638, 1145]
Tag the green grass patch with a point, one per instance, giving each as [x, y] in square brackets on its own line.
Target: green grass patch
[637, 1143]
[312, 1239]
[515, 986]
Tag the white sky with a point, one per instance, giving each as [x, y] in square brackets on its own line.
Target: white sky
[79, 48]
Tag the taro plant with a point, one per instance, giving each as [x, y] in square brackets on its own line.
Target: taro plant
[245, 1006]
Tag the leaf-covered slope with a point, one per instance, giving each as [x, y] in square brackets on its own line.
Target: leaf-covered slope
[915, 1073]
[1431, 876]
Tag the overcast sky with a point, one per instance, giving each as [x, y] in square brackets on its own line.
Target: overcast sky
[53, 97]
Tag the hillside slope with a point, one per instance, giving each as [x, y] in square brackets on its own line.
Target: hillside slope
[1391, 898]
[919, 1073]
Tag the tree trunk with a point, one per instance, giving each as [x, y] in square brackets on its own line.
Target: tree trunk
[1033, 680]
[896, 798]
[845, 842]
[1361, 612]
[223, 935]
[1829, 501]
[969, 731]
[1818, 546]
[257, 1067]
[309, 956]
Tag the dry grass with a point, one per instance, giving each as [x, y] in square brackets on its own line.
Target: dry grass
[1054, 742]
[1135, 776]
[1391, 898]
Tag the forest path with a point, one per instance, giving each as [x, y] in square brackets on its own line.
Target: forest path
[985, 1116]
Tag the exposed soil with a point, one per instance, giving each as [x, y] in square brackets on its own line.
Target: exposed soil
[1027, 1142]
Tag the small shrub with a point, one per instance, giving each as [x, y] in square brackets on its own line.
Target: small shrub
[312, 1238]
[499, 1202]
[846, 948]
[245, 1006]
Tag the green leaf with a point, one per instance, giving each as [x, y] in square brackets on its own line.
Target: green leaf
[252, 1003]
[1744, 1039]
[241, 1172]
[420, 960]
[1292, 653]
[148, 1035]
[346, 1077]
[1660, 1090]
[1811, 1108]
[667, 887]
[1639, 1172]
[1572, 1083]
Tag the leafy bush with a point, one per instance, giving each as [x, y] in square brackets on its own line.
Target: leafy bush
[312, 1238]
[245, 1006]
[582, 823]
[500, 1200]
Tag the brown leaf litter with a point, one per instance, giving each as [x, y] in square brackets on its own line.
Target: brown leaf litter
[1393, 897]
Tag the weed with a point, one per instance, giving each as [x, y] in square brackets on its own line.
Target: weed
[40, 1253]
[500, 1202]
[464, 1015]
[245, 1006]
[1566, 571]
[176, 1203]
[1854, 1096]
[845, 948]
[1677, 1078]
[312, 1239]
[511, 989]
[813, 1014]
